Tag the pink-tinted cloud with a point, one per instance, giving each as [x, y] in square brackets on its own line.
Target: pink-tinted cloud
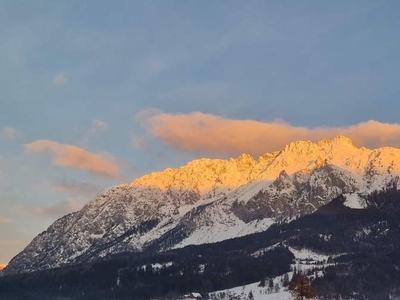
[76, 158]
[52, 211]
[217, 135]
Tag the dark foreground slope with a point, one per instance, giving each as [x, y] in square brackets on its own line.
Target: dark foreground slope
[141, 277]
[364, 246]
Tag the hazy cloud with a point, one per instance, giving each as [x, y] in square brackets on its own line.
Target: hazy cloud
[60, 80]
[4, 220]
[145, 145]
[141, 144]
[9, 132]
[52, 211]
[76, 158]
[98, 126]
[205, 96]
[217, 135]
[145, 114]
[151, 67]
[84, 189]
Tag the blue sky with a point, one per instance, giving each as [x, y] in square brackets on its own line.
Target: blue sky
[110, 83]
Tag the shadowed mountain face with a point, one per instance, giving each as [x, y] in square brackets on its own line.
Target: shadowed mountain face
[211, 200]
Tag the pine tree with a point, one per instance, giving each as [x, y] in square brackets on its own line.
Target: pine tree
[251, 296]
[271, 283]
[262, 282]
[295, 278]
[285, 281]
[270, 286]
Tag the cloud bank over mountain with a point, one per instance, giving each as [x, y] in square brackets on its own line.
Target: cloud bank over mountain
[217, 135]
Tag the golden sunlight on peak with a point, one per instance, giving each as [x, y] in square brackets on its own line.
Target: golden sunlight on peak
[205, 175]
[339, 139]
[2, 266]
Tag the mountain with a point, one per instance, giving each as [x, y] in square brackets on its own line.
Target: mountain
[346, 253]
[211, 200]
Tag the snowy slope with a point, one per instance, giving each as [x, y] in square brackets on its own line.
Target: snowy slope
[210, 200]
[259, 293]
[304, 260]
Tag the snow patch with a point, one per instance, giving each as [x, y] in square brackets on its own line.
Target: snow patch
[227, 228]
[307, 255]
[157, 266]
[354, 201]
[259, 293]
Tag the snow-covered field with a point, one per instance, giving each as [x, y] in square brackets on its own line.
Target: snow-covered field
[304, 260]
[259, 293]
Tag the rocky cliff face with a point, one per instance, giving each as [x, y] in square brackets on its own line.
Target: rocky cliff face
[210, 200]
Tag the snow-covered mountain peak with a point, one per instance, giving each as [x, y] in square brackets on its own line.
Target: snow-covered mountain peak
[205, 175]
[340, 140]
[244, 157]
[209, 200]
[202, 175]
[339, 151]
[296, 146]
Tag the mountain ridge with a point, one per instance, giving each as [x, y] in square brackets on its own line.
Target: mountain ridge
[210, 200]
[281, 160]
